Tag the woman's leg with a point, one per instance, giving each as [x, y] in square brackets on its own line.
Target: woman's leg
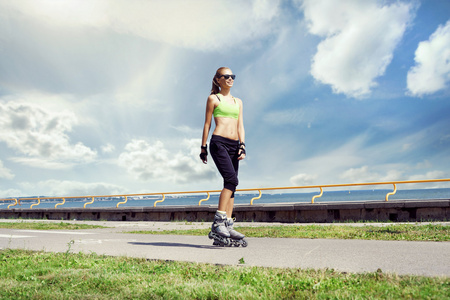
[226, 202]
[230, 221]
[224, 154]
[230, 207]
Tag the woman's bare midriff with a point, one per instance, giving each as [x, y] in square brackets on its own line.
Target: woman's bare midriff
[227, 128]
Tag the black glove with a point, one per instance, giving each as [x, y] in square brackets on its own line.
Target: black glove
[242, 148]
[203, 155]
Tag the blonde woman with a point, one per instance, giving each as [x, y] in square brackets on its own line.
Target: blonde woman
[227, 147]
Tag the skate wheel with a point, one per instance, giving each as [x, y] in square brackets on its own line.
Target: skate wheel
[226, 242]
[210, 235]
[244, 243]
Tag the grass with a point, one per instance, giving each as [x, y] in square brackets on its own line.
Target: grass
[47, 225]
[40, 275]
[395, 232]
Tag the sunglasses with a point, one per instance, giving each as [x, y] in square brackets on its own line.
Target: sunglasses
[227, 76]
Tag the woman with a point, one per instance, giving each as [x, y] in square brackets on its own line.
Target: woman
[227, 147]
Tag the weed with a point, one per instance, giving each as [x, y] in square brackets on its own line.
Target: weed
[69, 246]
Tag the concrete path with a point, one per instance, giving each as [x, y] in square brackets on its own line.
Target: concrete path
[403, 258]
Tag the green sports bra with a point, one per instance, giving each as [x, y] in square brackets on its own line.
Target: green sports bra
[226, 110]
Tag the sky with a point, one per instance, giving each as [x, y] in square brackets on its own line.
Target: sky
[106, 97]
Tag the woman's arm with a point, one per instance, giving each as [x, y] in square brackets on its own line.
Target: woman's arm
[241, 130]
[207, 125]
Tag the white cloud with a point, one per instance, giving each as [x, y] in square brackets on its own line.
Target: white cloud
[329, 164]
[357, 174]
[432, 70]
[360, 37]
[365, 174]
[42, 163]
[303, 179]
[61, 188]
[154, 162]
[11, 193]
[277, 69]
[108, 148]
[429, 175]
[388, 173]
[305, 115]
[144, 161]
[288, 117]
[186, 130]
[41, 135]
[5, 172]
[199, 24]
[361, 160]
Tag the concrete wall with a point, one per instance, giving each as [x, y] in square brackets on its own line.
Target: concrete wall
[401, 211]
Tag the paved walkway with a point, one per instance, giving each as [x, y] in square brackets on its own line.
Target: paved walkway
[415, 258]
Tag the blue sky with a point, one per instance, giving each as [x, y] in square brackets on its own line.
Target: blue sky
[107, 97]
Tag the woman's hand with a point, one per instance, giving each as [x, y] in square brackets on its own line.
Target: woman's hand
[204, 154]
[241, 153]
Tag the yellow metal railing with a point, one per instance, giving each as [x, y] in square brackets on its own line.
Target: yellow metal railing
[317, 196]
[123, 202]
[14, 204]
[89, 202]
[321, 187]
[64, 201]
[159, 201]
[35, 204]
[256, 198]
[206, 199]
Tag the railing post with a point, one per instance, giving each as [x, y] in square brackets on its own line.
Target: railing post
[13, 204]
[126, 199]
[39, 202]
[159, 201]
[391, 193]
[317, 196]
[206, 199]
[88, 202]
[64, 201]
[256, 198]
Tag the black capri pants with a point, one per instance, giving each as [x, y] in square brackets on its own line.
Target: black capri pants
[224, 152]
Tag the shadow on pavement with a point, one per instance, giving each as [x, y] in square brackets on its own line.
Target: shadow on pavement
[165, 244]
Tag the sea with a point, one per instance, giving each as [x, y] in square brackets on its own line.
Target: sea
[241, 198]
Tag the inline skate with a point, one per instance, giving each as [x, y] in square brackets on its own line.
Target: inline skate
[219, 231]
[236, 238]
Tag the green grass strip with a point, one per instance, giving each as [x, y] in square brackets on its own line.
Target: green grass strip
[47, 225]
[396, 232]
[40, 275]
